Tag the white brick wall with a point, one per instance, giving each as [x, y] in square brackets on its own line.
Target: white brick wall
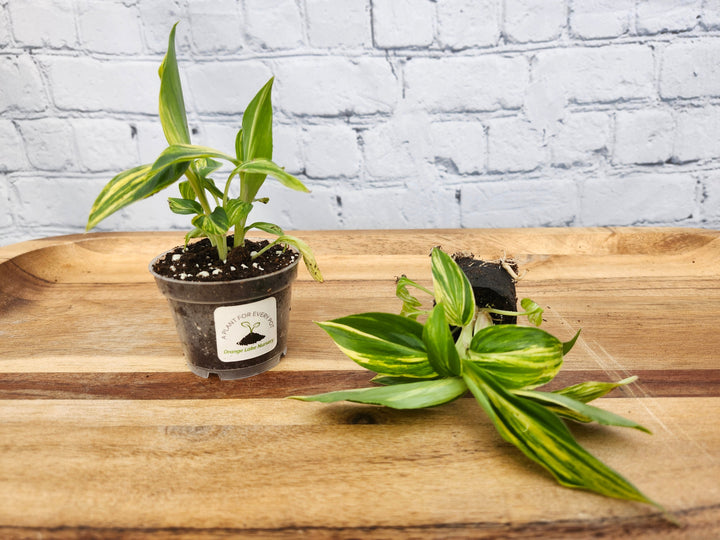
[397, 113]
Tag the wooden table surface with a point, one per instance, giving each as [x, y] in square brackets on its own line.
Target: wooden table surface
[105, 433]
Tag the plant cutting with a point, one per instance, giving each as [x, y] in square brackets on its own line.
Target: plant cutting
[225, 283]
[504, 367]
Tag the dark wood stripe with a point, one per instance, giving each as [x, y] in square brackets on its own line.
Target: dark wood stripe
[280, 384]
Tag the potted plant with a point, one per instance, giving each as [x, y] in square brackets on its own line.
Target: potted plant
[503, 366]
[229, 294]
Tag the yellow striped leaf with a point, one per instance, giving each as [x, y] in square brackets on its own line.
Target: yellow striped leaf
[172, 105]
[517, 356]
[543, 438]
[382, 342]
[131, 186]
[414, 395]
[452, 289]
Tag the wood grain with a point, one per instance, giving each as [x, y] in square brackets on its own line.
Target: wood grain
[104, 433]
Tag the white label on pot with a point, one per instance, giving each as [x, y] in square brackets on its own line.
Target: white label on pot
[246, 331]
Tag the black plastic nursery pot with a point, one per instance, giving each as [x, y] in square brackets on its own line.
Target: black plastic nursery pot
[492, 286]
[232, 329]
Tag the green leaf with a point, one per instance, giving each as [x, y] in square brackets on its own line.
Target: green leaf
[441, 351]
[266, 227]
[131, 186]
[238, 146]
[415, 395]
[543, 438]
[452, 289]
[307, 255]
[195, 233]
[257, 125]
[387, 380]
[187, 191]
[267, 167]
[215, 224]
[517, 356]
[181, 153]
[210, 186]
[411, 305]
[256, 139]
[568, 345]
[382, 342]
[577, 410]
[237, 211]
[206, 166]
[172, 105]
[588, 391]
[533, 311]
[184, 206]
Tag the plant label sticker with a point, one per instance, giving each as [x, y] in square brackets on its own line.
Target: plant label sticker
[246, 331]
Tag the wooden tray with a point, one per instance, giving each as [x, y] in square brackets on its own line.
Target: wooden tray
[105, 433]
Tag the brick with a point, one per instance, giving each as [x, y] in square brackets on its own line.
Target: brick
[331, 86]
[656, 16]
[690, 69]
[403, 23]
[274, 25]
[21, 88]
[581, 138]
[643, 137]
[710, 198]
[593, 19]
[109, 27]
[534, 20]
[215, 26]
[293, 210]
[696, 136]
[519, 203]
[226, 87]
[468, 23]
[158, 17]
[711, 14]
[87, 84]
[460, 143]
[331, 151]
[338, 23]
[394, 207]
[287, 148]
[105, 145]
[514, 145]
[396, 149]
[460, 84]
[6, 218]
[150, 140]
[52, 202]
[55, 28]
[48, 143]
[638, 198]
[5, 38]
[12, 156]
[599, 74]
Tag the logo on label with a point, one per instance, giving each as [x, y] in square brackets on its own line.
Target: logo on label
[246, 331]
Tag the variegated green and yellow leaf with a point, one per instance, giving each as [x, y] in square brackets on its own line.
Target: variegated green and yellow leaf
[543, 438]
[382, 342]
[307, 254]
[256, 139]
[172, 105]
[439, 343]
[517, 356]
[573, 409]
[267, 167]
[590, 390]
[131, 186]
[181, 153]
[452, 289]
[414, 395]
